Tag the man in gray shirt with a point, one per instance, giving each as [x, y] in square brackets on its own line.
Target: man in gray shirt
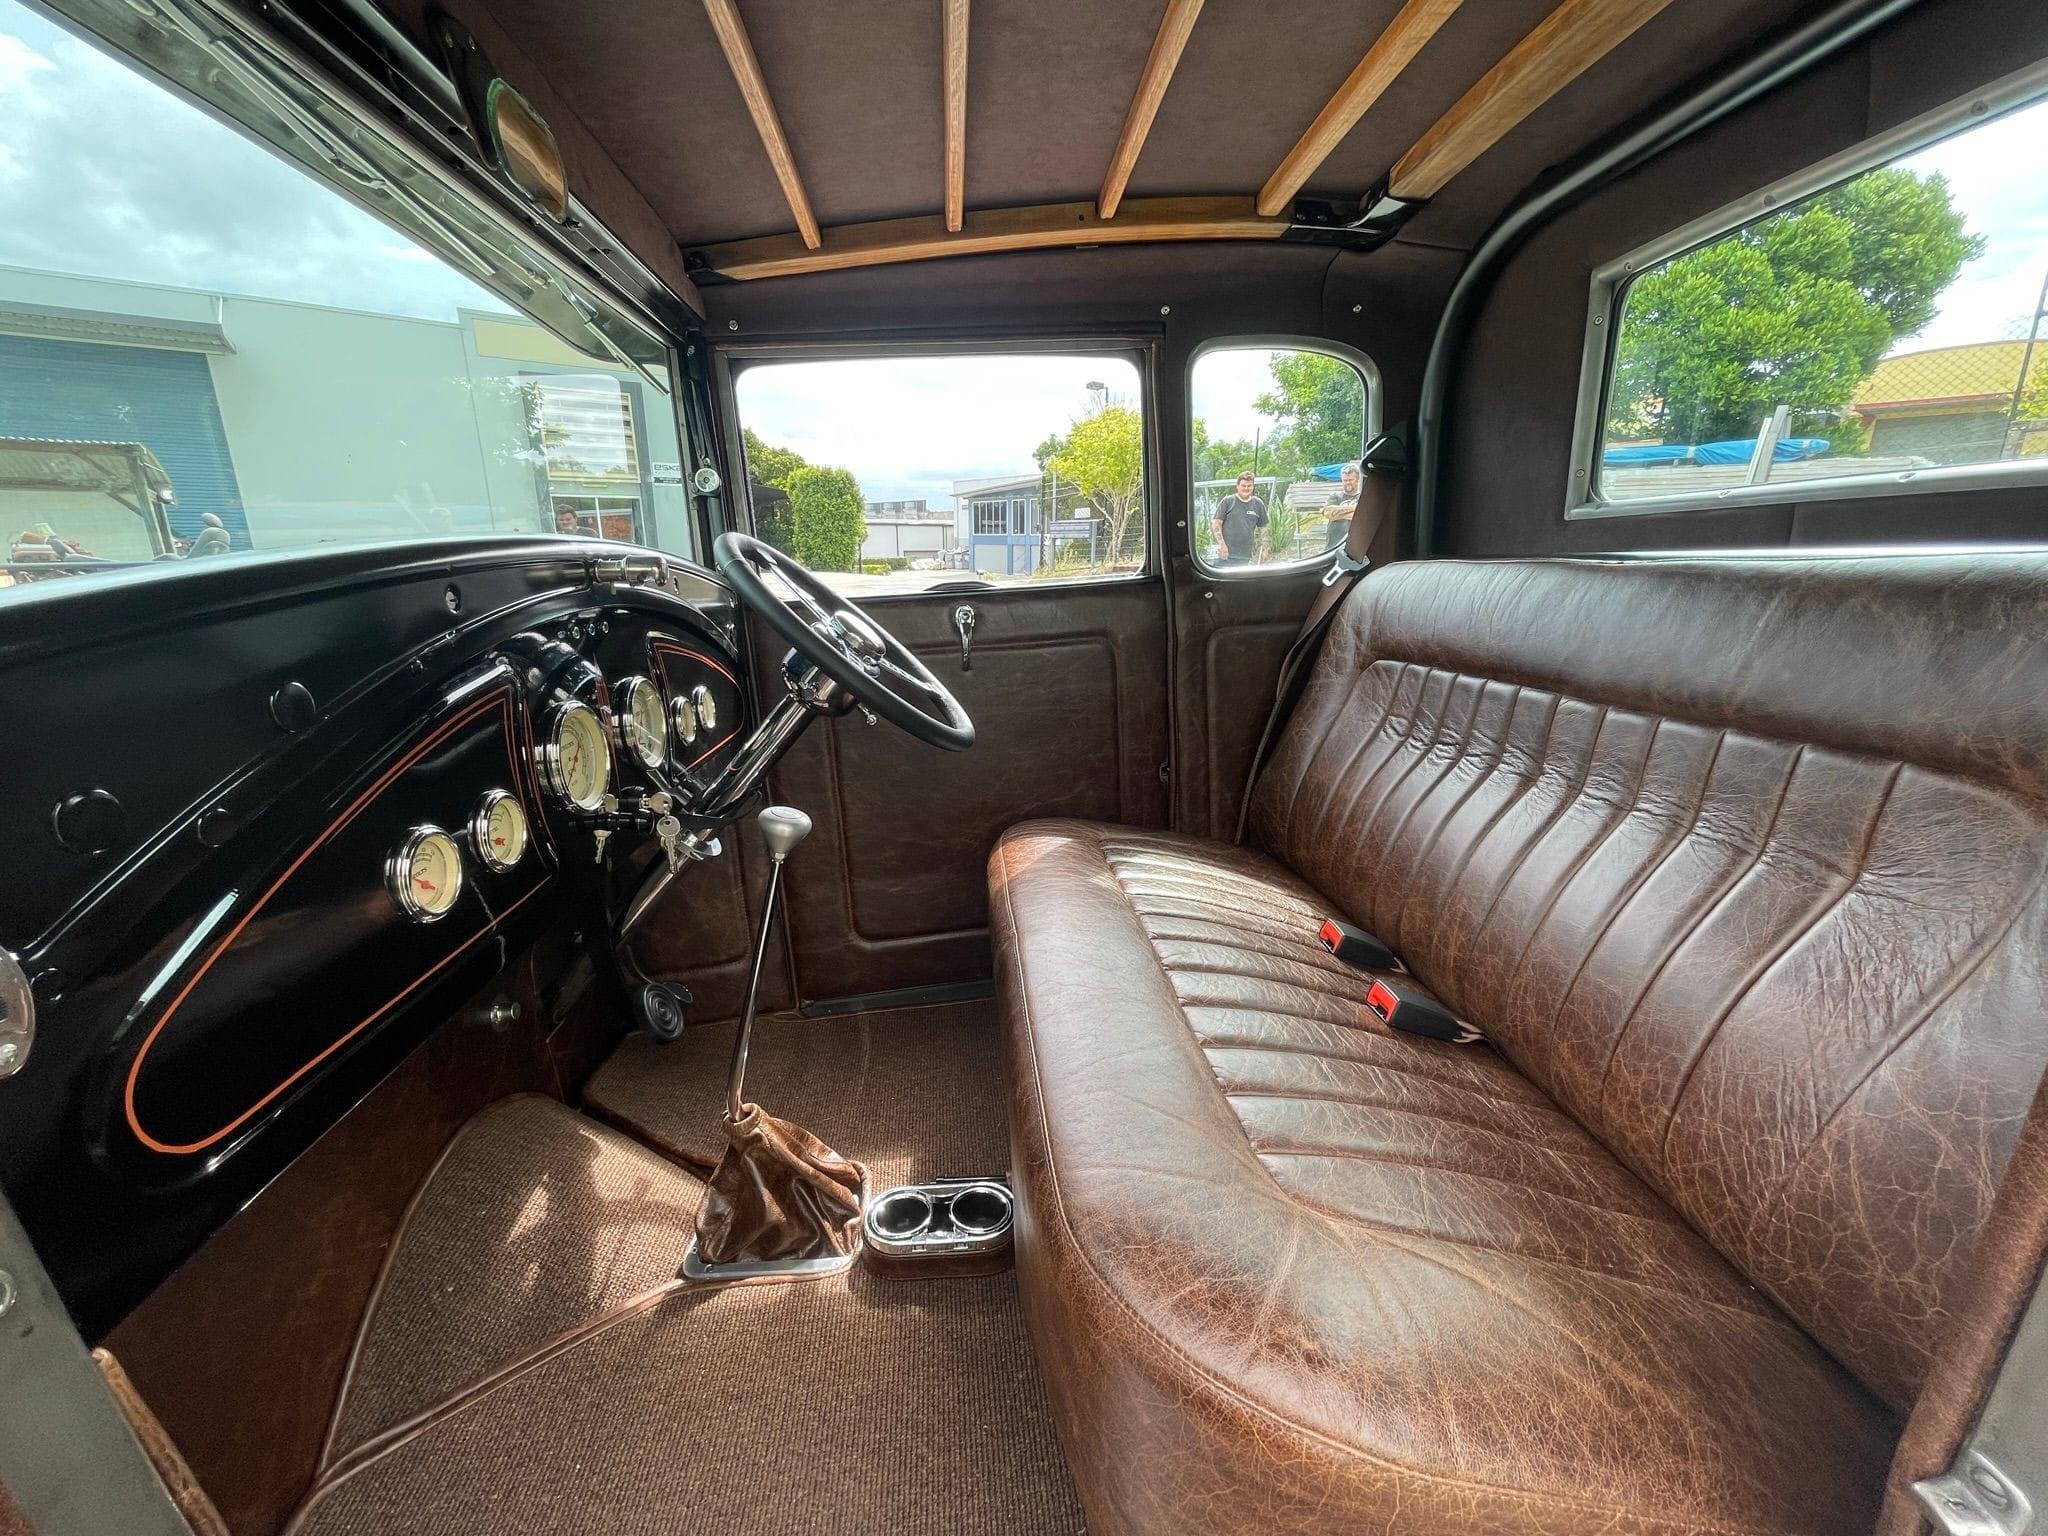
[1239, 523]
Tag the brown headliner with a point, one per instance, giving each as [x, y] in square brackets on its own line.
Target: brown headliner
[857, 89]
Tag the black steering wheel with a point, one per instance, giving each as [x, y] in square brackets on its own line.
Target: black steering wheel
[835, 636]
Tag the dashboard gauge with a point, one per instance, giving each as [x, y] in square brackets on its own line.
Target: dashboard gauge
[683, 719]
[498, 831]
[643, 722]
[706, 707]
[575, 758]
[425, 874]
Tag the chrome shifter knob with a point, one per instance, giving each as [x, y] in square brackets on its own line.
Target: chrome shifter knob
[782, 828]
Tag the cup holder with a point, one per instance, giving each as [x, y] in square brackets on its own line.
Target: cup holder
[900, 1214]
[941, 1225]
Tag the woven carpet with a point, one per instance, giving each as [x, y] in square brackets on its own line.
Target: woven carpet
[915, 1093]
[843, 1406]
[535, 1221]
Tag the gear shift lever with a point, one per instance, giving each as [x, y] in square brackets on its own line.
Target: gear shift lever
[782, 828]
[780, 1201]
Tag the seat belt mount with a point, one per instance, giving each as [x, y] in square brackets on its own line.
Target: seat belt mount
[1413, 1012]
[1354, 946]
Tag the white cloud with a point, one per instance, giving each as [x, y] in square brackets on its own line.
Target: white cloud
[106, 174]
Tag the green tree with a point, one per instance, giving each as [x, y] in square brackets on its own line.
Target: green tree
[827, 520]
[1221, 458]
[1103, 457]
[1795, 309]
[2034, 397]
[767, 463]
[1317, 404]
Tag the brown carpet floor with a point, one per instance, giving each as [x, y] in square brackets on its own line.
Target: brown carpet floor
[841, 1406]
[844, 1406]
[536, 1221]
[915, 1093]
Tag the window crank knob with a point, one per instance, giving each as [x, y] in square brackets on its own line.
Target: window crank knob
[782, 828]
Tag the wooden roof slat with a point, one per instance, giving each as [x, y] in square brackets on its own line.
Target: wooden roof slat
[1390, 53]
[953, 26]
[1160, 63]
[746, 72]
[1563, 46]
[998, 229]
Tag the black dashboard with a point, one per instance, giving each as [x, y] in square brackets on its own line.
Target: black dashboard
[266, 823]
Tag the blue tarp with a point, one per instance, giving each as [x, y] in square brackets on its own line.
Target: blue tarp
[1736, 450]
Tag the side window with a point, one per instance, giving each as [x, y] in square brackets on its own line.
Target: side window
[894, 474]
[1889, 325]
[1276, 435]
[197, 366]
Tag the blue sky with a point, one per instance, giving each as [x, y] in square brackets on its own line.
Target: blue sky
[1997, 175]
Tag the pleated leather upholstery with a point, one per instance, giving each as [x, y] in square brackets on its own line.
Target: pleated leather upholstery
[1739, 865]
[1742, 864]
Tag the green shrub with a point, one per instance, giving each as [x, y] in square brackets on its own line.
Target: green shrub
[826, 518]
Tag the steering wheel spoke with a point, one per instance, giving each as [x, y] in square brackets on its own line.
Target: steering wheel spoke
[840, 638]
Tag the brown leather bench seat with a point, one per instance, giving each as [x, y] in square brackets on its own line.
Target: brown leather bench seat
[1739, 865]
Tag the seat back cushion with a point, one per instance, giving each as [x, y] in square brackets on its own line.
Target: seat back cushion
[1740, 860]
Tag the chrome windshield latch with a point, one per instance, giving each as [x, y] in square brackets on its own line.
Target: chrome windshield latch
[1975, 1498]
[963, 623]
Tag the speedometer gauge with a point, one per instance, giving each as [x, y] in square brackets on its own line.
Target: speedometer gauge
[575, 758]
[497, 831]
[643, 722]
[425, 874]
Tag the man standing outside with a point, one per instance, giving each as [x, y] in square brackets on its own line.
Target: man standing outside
[1341, 508]
[1239, 524]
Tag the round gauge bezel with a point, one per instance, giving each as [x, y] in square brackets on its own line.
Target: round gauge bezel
[625, 692]
[682, 719]
[480, 832]
[706, 707]
[398, 874]
[552, 772]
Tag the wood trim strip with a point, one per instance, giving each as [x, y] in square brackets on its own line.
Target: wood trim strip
[1174, 29]
[953, 30]
[746, 74]
[1390, 53]
[1001, 229]
[1563, 46]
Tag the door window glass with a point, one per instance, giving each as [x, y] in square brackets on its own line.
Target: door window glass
[1277, 432]
[894, 474]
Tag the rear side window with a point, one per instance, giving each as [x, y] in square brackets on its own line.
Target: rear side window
[1276, 433]
[1883, 331]
[900, 473]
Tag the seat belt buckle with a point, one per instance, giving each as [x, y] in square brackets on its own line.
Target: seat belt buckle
[1354, 946]
[1413, 1012]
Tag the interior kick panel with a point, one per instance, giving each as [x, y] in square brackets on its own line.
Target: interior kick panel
[236, 799]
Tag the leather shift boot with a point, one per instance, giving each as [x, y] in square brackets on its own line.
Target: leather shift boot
[778, 1193]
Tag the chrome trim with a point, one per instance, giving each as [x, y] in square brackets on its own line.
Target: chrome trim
[549, 753]
[17, 1015]
[480, 832]
[625, 691]
[1609, 294]
[398, 873]
[683, 718]
[706, 707]
[990, 1229]
[694, 1268]
[907, 1195]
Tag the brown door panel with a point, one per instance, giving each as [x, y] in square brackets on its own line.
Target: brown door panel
[1232, 634]
[1068, 692]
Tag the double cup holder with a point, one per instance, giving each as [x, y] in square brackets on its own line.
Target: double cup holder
[947, 1227]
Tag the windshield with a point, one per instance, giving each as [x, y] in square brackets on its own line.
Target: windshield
[205, 351]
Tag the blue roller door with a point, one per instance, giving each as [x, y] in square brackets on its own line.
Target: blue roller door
[159, 398]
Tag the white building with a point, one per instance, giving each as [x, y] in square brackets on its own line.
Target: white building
[298, 424]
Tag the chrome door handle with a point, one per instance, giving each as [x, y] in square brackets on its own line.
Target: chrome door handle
[963, 623]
